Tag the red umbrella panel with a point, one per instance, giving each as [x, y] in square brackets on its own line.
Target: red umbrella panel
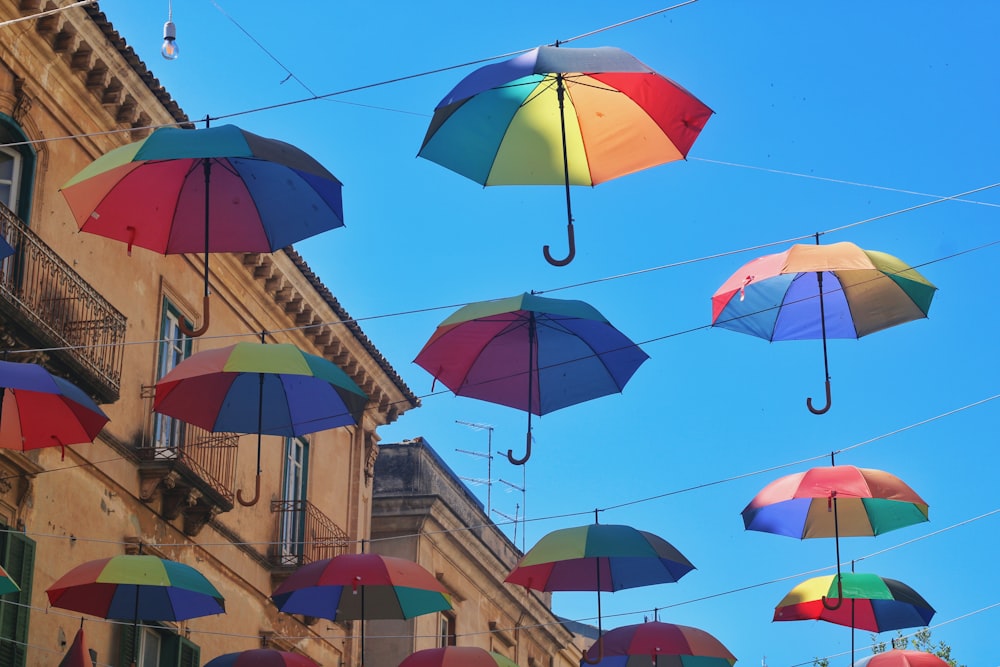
[660, 644]
[902, 658]
[38, 409]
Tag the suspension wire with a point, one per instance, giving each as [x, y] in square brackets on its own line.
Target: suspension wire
[48, 12]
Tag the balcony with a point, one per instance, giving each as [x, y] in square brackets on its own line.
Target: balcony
[305, 535]
[194, 478]
[46, 305]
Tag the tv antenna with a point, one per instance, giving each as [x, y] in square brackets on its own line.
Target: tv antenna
[512, 519]
[488, 456]
[521, 504]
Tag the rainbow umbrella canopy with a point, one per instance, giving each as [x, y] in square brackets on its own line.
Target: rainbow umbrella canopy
[532, 353]
[136, 588]
[870, 602]
[267, 389]
[38, 409]
[658, 644]
[361, 586]
[599, 557]
[262, 657]
[456, 656]
[562, 116]
[218, 189]
[820, 292]
[7, 583]
[835, 501]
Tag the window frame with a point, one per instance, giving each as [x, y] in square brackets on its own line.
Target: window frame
[17, 552]
[174, 347]
[291, 532]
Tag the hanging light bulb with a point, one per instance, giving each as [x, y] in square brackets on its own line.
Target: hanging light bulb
[170, 50]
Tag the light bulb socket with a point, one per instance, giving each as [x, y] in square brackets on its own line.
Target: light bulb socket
[169, 31]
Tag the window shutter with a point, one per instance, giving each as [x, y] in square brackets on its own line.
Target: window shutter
[18, 553]
[189, 654]
[126, 644]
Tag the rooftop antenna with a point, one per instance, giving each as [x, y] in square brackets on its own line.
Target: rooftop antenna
[523, 502]
[488, 456]
[512, 519]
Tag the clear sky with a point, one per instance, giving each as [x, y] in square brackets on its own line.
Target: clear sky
[827, 114]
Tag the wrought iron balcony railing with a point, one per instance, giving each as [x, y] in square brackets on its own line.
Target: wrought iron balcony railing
[203, 459]
[42, 294]
[305, 534]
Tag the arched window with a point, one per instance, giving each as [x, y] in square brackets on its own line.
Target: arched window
[17, 168]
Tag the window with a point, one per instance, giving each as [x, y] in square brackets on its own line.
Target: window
[158, 647]
[448, 635]
[293, 492]
[17, 555]
[17, 164]
[10, 176]
[175, 347]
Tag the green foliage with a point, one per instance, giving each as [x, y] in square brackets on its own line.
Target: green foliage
[919, 641]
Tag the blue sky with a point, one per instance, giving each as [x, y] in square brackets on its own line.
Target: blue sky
[827, 115]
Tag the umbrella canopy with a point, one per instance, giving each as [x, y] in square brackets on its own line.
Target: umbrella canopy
[219, 189]
[272, 389]
[456, 656]
[902, 658]
[7, 583]
[136, 588]
[6, 249]
[821, 292]
[38, 409]
[532, 353]
[361, 586]
[868, 502]
[262, 657]
[562, 116]
[869, 602]
[661, 645]
[599, 557]
[78, 655]
[222, 390]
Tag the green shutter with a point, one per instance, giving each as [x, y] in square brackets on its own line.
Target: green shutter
[126, 644]
[18, 553]
[190, 654]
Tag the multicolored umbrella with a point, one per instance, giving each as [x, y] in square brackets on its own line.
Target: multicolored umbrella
[660, 645]
[161, 193]
[262, 657]
[821, 291]
[562, 116]
[868, 502]
[902, 658]
[38, 409]
[6, 249]
[135, 588]
[532, 353]
[875, 604]
[361, 586]
[833, 501]
[7, 583]
[599, 557]
[267, 389]
[456, 656]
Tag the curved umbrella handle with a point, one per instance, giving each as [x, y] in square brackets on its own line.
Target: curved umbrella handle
[527, 453]
[194, 333]
[256, 494]
[572, 249]
[820, 411]
[600, 653]
[840, 596]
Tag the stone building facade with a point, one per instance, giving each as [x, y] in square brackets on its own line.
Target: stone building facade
[71, 90]
[423, 512]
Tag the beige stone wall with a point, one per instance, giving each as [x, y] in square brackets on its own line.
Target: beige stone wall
[64, 78]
